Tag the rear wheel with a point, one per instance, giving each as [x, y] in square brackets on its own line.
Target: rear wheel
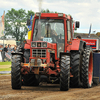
[16, 72]
[75, 68]
[87, 68]
[65, 73]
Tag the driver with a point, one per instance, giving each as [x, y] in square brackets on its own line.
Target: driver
[50, 33]
[47, 30]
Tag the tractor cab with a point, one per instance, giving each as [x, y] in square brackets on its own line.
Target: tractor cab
[50, 33]
[52, 30]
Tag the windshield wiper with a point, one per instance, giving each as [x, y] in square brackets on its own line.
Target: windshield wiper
[36, 32]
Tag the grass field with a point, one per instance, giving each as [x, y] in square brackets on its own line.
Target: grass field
[5, 66]
[5, 63]
[5, 69]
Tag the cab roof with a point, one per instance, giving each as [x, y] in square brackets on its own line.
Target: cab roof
[53, 15]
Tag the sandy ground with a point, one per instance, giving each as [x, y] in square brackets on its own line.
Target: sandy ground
[45, 92]
[5, 66]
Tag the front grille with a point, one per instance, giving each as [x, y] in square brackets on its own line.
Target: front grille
[39, 52]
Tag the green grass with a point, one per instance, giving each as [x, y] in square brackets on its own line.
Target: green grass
[5, 69]
[5, 63]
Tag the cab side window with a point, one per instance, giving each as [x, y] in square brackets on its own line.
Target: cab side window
[68, 31]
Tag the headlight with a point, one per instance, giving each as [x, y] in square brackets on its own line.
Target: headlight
[60, 14]
[38, 44]
[44, 44]
[33, 44]
[38, 13]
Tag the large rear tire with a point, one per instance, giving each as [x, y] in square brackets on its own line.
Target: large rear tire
[16, 72]
[87, 68]
[65, 73]
[75, 68]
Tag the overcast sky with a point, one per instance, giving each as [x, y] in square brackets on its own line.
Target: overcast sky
[85, 11]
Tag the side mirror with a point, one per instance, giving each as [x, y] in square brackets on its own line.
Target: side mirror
[28, 22]
[77, 24]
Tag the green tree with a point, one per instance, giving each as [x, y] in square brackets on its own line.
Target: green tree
[29, 13]
[47, 11]
[15, 23]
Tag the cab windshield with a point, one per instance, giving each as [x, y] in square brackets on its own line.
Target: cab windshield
[52, 31]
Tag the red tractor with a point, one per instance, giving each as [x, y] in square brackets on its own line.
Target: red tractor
[52, 55]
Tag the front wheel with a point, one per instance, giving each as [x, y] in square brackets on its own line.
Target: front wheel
[65, 73]
[16, 72]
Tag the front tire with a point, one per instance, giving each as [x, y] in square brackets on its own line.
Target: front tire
[16, 72]
[65, 73]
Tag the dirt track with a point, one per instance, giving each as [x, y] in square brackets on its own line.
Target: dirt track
[45, 92]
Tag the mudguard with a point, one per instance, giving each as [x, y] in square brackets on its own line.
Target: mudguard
[20, 48]
[78, 45]
[17, 53]
[27, 45]
[82, 45]
[75, 45]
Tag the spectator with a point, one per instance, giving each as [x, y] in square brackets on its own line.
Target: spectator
[8, 45]
[14, 49]
[78, 37]
[9, 49]
[1, 49]
[5, 49]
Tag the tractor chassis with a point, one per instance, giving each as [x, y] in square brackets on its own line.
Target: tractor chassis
[43, 69]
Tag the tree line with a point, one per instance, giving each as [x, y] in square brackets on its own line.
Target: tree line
[15, 22]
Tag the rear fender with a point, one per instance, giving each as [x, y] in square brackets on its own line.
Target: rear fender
[82, 45]
[27, 45]
[78, 45]
[18, 53]
[75, 45]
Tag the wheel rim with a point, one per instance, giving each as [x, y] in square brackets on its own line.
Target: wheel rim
[90, 70]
